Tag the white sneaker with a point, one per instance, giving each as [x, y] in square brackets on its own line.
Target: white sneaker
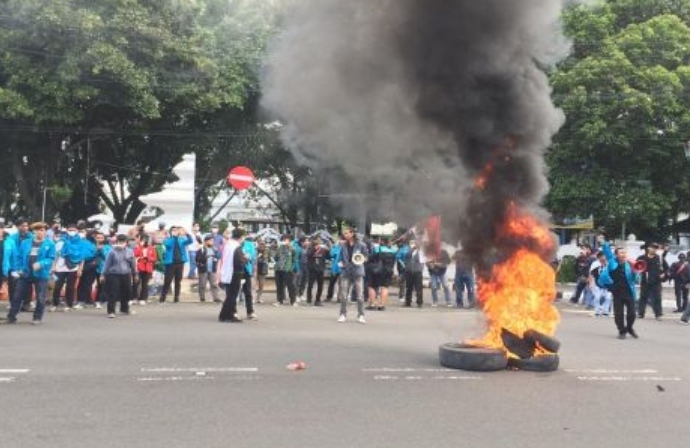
[52, 309]
[434, 305]
[78, 306]
[111, 316]
[252, 316]
[66, 309]
[98, 305]
[132, 302]
[295, 304]
[278, 304]
[142, 302]
[342, 319]
[361, 319]
[130, 312]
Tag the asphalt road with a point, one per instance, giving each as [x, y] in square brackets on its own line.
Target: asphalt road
[172, 376]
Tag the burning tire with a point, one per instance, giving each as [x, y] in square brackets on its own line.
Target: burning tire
[546, 363]
[546, 342]
[476, 359]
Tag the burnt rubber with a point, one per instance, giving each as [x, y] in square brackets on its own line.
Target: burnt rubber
[523, 348]
[475, 359]
[546, 363]
[548, 343]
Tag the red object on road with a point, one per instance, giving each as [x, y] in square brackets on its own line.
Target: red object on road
[299, 365]
[241, 178]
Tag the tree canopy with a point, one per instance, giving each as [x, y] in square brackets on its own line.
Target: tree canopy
[626, 94]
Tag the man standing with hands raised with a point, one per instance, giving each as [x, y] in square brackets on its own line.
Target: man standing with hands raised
[174, 260]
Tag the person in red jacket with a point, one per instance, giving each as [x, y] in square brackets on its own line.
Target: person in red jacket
[146, 258]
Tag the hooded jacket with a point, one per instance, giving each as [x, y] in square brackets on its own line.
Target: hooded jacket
[45, 257]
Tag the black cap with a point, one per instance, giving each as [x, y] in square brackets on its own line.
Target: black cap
[208, 237]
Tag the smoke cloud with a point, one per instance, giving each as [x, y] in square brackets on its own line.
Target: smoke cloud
[412, 101]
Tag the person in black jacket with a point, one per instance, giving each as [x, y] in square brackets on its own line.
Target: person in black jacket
[652, 278]
[679, 274]
[317, 254]
[414, 269]
[206, 264]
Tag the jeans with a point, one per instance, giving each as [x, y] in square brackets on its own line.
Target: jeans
[118, 288]
[438, 282]
[24, 289]
[172, 272]
[192, 264]
[302, 281]
[332, 281]
[414, 282]
[461, 283]
[579, 289]
[285, 280]
[681, 292]
[351, 285]
[652, 295]
[70, 278]
[315, 277]
[208, 278]
[602, 301]
[247, 292]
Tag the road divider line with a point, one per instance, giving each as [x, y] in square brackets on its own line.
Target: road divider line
[403, 370]
[6, 371]
[607, 371]
[7, 379]
[201, 369]
[433, 378]
[629, 378]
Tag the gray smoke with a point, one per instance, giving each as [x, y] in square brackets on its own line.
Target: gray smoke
[410, 99]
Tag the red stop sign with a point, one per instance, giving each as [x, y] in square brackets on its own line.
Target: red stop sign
[241, 178]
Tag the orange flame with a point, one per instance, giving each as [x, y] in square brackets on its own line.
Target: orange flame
[519, 294]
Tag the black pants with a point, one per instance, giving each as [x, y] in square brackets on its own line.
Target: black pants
[285, 280]
[652, 295]
[118, 289]
[247, 291]
[621, 304]
[332, 281]
[143, 286]
[579, 289]
[414, 283]
[12, 290]
[232, 290]
[302, 280]
[315, 276]
[681, 294]
[85, 289]
[172, 271]
[69, 278]
[401, 283]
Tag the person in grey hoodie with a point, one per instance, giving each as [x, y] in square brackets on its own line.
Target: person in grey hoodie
[120, 271]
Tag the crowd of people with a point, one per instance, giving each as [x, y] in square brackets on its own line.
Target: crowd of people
[608, 282]
[87, 267]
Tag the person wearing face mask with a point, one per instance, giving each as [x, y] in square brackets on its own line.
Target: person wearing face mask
[7, 254]
[174, 260]
[146, 257]
[414, 268]
[120, 271]
[207, 258]
[22, 234]
[32, 267]
[89, 271]
[66, 269]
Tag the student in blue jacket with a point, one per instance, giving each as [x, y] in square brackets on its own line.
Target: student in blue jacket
[619, 278]
[8, 251]
[32, 267]
[174, 260]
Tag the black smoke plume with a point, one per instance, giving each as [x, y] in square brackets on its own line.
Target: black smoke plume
[415, 100]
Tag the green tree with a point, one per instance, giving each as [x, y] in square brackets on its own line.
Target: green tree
[98, 95]
[626, 94]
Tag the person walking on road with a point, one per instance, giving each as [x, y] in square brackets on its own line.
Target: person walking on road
[619, 278]
[352, 276]
[230, 275]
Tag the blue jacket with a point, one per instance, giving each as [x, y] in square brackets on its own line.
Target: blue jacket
[46, 257]
[605, 279]
[77, 249]
[401, 256]
[335, 257]
[17, 242]
[298, 255]
[349, 269]
[169, 244]
[249, 249]
[102, 255]
[8, 256]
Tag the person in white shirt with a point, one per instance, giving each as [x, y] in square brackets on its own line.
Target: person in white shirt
[230, 275]
[602, 296]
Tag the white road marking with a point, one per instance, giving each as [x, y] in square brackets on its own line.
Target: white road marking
[629, 378]
[176, 378]
[604, 371]
[3, 371]
[404, 370]
[201, 369]
[433, 378]
[8, 379]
